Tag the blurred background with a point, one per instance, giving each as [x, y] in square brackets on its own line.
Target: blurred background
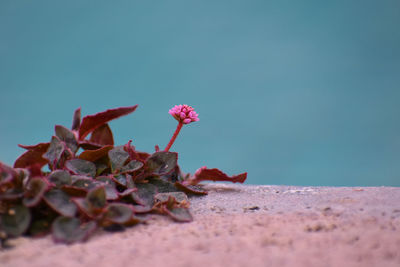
[293, 92]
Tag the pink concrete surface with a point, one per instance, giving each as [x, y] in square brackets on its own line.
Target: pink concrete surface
[239, 225]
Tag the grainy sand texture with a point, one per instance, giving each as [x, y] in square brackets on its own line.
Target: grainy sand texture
[239, 225]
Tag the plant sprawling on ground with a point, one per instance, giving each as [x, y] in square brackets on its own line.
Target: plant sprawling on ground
[94, 184]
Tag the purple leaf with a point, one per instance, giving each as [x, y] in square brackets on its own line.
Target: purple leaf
[118, 156]
[34, 192]
[145, 194]
[180, 214]
[60, 202]
[81, 167]
[102, 135]
[76, 120]
[70, 230]
[67, 137]
[96, 198]
[33, 156]
[15, 221]
[60, 178]
[204, 174]
[93, 155]
[179, 197]
[118, 213]
[161, 163]
[190, 189]
[54, 152]
[91, 122]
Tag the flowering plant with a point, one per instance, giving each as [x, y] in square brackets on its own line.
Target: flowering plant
[94, 184]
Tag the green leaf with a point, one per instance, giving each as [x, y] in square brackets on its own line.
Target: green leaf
[117, 156]
[161, 163]
[35, 190]
[82, 167]
[96, 198]
[70, 230]
[67, 136]
[60, 202]
[118, 213]
[60, 178]
[16, 221]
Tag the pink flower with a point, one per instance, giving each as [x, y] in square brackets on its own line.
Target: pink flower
[184, 114]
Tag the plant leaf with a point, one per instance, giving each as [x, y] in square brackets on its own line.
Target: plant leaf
[32, 156]
[179, 197]
[82, 167]
[118, 213]
[16, 221]
[132, 166]
[54, 152]
[91, 122]
[163, 186]
[34, 191]
[6, 174]
[93, 155]
[67, 136]
[76, 120]
[39, 228]
[102, 135]
[109, 186]
[190, 189]
[204, 174]
[161, 163]
[86, 183]
[60, 178]
[180, 214]
[145, 194]
[96, 198]
[70, 230]
[60, 202]
[87, 145]
[117, 156]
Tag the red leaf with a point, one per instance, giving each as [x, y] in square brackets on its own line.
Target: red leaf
[76, 120]
[87, 145]
[204, 174]
[39, 146]
[33, 156]
[102, 135]
[190, 189]
[91, 122]
[93, 155]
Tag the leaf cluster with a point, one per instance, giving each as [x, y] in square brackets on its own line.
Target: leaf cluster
[93, 184]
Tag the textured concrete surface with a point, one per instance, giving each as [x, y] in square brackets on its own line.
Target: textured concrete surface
[238, 225]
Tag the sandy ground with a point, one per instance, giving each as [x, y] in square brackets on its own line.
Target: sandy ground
[238, 225]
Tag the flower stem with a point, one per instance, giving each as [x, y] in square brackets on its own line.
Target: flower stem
[178, 129]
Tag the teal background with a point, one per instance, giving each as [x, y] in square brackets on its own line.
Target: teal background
[294, 92]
